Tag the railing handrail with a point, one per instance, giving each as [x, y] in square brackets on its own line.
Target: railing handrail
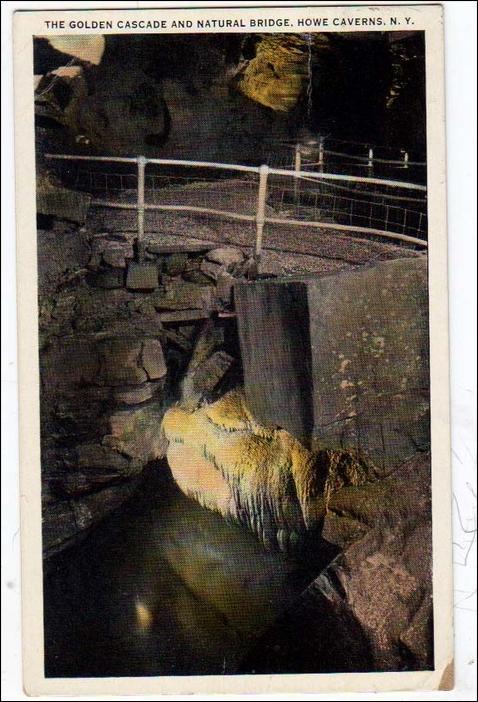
[354, 157]
[159, 161]
[260, 217]
[237, 167]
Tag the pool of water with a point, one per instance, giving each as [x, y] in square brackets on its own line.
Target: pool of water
[163, 587]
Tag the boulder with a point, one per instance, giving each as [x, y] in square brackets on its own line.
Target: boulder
[136, 395]
[108, 279]
[97, 466]
[201, 381]
[370, 609]
[136, 432]
[60, 251]
[195, 276]
[175, 263]
[74, 361]
[350, 353]
[54, 200]
[210, 270]
[121, 362]
[116, 254]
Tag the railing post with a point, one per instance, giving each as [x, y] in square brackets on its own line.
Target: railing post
[370, 159]
[405, 159]
[261, 211]
[321, 154]
[297, 169]
[141, 161]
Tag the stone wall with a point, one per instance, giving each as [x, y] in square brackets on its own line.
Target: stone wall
[115, 339]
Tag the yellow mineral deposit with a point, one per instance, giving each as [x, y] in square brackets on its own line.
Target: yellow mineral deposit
[260, 476]
[277, 75]
[144, 616]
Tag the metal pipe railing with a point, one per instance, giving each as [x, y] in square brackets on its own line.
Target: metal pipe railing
[260, 217]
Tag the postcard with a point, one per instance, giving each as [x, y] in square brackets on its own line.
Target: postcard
[233, 350]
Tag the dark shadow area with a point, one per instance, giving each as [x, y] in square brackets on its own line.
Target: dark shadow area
[165, 587]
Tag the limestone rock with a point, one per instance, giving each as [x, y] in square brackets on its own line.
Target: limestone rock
[350, 353]
[224, 288]
[97, 466]
[60, 251]
[121, 362]
[276, 75]
[72, 362]
[175, 263]
[95, 456]
[371, 608]
[195, 276]
[226, 256]
[259, 476]
[142, 276]
[109, 279]
[136, 432]
[183, 296]
[57, 201]
[210, 270]
[152, 359]
[201, 381]
[116, 254]
[68, 520]
[136, 395]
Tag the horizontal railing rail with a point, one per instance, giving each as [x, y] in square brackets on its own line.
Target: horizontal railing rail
[310, 192]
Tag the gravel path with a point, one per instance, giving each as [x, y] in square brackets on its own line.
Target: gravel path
[286, 249]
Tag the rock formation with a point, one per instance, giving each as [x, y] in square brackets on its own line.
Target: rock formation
[259, 476]
[372, 607]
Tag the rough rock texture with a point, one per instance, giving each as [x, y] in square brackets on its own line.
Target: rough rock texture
[110, 362]
[350, 354]
[259, 476]
[233, 97]
[371, 608]
[370, 362]
[277, 74]
[54, 200]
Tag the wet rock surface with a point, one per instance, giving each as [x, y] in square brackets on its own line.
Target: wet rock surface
[371, 607]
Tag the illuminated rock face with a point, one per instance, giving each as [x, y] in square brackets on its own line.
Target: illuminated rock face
[86, 48]
[219, 456]
[276, 76]
[259, 476]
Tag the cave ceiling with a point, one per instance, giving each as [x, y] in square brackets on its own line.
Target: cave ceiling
[173, 95]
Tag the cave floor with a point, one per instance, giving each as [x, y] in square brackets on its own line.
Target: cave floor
[163, 587]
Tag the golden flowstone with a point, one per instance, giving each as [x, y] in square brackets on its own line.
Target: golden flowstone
[260, 476]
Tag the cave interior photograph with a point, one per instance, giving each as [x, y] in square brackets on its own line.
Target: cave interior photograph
[233, 353]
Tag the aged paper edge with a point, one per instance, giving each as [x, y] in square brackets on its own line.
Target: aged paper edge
[30, 23]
